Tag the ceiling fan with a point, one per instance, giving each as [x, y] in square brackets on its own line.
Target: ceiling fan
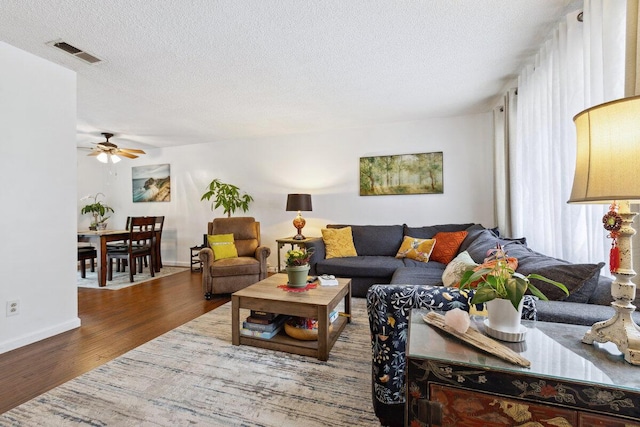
[106, 151]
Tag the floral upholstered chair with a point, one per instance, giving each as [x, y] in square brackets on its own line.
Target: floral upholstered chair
[388, 307]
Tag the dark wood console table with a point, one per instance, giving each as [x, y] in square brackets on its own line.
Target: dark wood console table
[450, 383]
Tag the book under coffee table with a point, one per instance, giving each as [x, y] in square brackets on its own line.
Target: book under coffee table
[314, 303]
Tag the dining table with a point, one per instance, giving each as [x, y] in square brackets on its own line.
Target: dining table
[99, 239]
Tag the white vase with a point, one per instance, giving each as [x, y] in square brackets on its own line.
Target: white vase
[503, 316]
[298, 275]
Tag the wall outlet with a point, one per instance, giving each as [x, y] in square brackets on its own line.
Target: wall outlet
[13, 308]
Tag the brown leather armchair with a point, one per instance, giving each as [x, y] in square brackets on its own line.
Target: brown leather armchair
[228, 275]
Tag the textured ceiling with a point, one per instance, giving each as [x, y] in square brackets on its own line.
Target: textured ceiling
[184, 72]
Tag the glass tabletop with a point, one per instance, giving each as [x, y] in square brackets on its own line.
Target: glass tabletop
[554, 350]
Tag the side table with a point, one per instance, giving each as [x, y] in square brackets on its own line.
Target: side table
[451, 383]
[293, 242]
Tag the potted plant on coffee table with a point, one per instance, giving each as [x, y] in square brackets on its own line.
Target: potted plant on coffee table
[498, 284]
[297, 261]
[98, 210]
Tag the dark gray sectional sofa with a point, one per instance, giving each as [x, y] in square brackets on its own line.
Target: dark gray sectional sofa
[377, 246]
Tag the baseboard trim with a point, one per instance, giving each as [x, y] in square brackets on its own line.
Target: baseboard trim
[39, 335]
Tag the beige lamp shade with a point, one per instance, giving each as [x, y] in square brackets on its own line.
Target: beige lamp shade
[608, 153]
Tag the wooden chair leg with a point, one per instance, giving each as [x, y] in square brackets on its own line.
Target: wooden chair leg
[83, 269]
[93, 265]
[132, 268]
[110, 269]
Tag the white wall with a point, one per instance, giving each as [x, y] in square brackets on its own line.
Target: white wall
[323, 164]
[38, 175]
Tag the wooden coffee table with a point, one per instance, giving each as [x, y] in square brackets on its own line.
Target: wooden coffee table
[315, 303]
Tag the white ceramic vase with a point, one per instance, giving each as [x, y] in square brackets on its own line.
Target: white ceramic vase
[503, 316]
[298, 275]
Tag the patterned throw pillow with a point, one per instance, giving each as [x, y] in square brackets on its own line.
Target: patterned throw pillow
[456, 268]
[417, 249]
[447, 246]
[223, 246]
[338, 242]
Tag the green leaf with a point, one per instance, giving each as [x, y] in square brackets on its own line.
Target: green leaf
[515, 288]
[483, 295]
[549, 281]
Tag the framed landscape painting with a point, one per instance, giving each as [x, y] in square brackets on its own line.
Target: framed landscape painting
[401, 174]
[151, 183]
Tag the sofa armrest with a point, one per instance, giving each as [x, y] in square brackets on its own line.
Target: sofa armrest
[261, 254]
[319, 253]
[207, 257]
[388, 308]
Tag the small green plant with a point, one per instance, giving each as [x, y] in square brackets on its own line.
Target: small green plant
[96, 209]
[228, 196]
[499, 280]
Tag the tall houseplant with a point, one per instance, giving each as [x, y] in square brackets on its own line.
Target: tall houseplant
[228, 196]
[97, 210]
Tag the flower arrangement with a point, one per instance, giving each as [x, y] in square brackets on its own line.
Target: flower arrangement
[497, 279]
[298, 257]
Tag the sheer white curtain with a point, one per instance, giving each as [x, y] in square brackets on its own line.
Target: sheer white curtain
[504, 125]
[581, 65]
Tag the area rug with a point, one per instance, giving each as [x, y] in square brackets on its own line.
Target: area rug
[193, 375]
[121, 279]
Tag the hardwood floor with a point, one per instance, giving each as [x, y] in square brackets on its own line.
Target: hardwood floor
[113, 322]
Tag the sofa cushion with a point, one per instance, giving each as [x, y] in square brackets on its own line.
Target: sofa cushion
[472, 233]
[484, 241]
[456, 268]
[580, 279]
[339, 242]
[375, 240]
[429, 231]
[419, 275]
[416, 249]
[447, 244]
[360, 266]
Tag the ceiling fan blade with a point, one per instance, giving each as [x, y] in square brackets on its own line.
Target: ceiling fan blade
[127, 155]
[93, 153]
[132, 150]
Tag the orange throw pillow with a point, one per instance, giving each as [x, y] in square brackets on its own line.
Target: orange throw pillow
[447, 245]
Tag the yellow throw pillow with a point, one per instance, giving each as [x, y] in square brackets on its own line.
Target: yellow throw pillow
[338, 242]
[223, 246]
[417, 249]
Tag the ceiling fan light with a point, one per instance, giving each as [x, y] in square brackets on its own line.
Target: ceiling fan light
[103, 158]
[115, 159]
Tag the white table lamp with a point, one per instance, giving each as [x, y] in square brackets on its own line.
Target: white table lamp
[608, 171]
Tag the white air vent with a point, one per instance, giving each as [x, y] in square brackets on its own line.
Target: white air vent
[74, 51]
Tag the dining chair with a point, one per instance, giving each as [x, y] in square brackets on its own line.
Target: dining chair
[140, 245]
[158, 252]
[86, 253]
[122, 244]
[158, 241]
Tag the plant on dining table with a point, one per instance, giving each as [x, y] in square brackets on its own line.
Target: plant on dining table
[496, 278]
[97, 209]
